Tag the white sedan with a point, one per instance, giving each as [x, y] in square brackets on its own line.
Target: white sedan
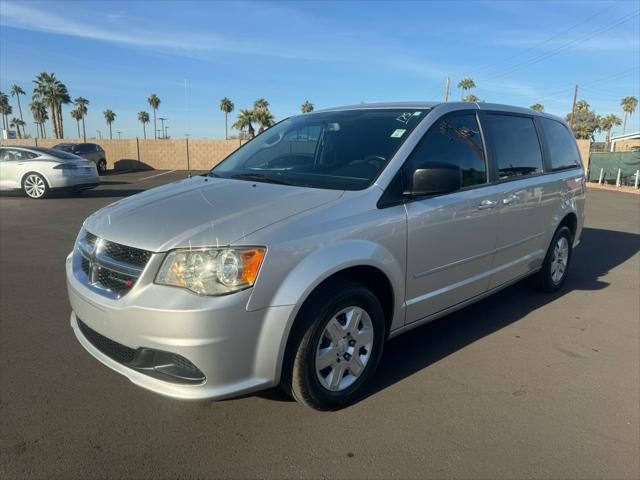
[36, 171]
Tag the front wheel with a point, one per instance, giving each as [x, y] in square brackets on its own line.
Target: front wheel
[555, 267]
[102, 167]
[336, 344]
[35, 186]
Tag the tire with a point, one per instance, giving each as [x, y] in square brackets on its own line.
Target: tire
[356, 344]
[35, 186]
[556, 263]
[102, 166]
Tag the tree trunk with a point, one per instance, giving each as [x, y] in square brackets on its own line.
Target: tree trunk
[609, 136]
[54, 119]
[144, 131]
[84, 133]
[110, 135]
[60, 128]
[44, 130]
[155, 132]
[624, 126]
[78, 122]
[252, 132]
[226, 128]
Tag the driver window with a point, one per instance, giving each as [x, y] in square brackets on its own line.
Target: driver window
[453, 140]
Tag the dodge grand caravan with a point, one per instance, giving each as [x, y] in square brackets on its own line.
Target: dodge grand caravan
[296, 258]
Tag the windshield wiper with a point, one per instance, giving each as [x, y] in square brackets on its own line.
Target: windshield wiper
[259, 177]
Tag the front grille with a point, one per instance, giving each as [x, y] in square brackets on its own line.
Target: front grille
[111, 349]
[122, 253]
[90, 238]
[86, 267]
[110, 267]
[114, 281]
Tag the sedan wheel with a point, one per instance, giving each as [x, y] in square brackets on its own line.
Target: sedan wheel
[35, 186]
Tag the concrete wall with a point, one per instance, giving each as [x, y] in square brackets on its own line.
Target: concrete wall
[158, 154]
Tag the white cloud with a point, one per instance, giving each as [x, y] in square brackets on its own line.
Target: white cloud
[175, 42]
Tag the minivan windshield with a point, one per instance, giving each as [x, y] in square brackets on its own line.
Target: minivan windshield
[340, 150]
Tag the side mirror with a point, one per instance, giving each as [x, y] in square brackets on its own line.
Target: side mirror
[434, 178]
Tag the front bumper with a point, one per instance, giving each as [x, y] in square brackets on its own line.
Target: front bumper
[235, 350]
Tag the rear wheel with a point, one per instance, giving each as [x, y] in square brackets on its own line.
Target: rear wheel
[335, 346]
[102, 166]
[555, 267]
[35, 186]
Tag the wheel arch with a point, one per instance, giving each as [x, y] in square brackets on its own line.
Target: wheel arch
[29, 172]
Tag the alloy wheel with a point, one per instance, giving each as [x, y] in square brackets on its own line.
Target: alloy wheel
[344, 348]
[34, 186]
[560, 260]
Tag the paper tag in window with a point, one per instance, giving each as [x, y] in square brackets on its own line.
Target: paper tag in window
[398, 132]
[417, 114]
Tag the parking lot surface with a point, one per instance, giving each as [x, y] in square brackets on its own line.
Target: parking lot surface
[519, 385]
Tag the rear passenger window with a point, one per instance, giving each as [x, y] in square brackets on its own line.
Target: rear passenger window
[453, 140]
[563, 151]
[516, 145]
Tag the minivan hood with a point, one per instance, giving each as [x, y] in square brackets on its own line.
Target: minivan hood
[201, 211]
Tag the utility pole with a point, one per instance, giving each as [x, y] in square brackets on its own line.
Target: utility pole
[446, 91]
[162, 119]
[573, 107]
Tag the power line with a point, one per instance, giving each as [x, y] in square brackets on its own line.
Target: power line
[550, 39]
[564, 47]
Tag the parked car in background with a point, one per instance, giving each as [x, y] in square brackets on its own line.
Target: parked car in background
[90, 151]
[36, 171]
[296, 258]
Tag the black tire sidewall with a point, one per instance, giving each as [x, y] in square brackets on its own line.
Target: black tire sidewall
[315, 393]
[102, 167]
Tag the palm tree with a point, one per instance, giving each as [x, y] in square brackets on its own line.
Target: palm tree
[154, 102]
[538, 107]
[226, 106]
[40, 115]
[76, 114]
[261, 104]
[466, 84]
[54, 93]
[264, 118]
[307, 107]
[17, 123]
[16, 91]
[471, 98]
[582, 105]
[143, 117]
[81, 105]
[629, 105]
[608, 122]
[245, 119]
[4, 107]
[109, 116]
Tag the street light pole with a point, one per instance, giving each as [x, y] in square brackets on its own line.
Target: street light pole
[118, 132]
[162, 119]
[99, 134]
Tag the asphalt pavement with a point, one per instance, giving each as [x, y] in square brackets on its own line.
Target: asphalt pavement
[519, 385]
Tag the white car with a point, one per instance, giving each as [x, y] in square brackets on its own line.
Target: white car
[36, 171]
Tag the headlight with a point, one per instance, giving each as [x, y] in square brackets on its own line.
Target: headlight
[211, 271]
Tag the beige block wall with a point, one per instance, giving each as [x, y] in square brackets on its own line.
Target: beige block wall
[584, 146]
[625, 145]
[157, 154]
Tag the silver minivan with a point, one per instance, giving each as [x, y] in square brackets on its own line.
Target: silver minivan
[296, 258]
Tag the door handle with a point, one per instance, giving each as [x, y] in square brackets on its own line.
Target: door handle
[485, 204]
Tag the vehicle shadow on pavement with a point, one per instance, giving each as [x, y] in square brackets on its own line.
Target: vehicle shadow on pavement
[599, 251]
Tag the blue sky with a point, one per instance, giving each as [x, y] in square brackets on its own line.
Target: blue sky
[117, 53]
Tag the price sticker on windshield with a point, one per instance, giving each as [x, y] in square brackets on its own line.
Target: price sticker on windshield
[398, 132]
